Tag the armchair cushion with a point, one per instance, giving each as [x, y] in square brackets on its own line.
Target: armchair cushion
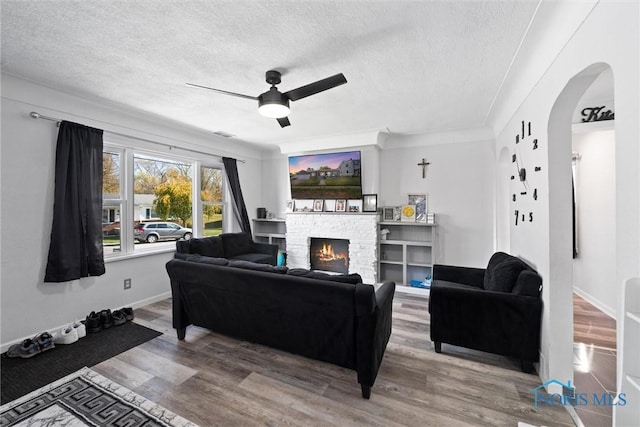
[503, 276]
[495, 259]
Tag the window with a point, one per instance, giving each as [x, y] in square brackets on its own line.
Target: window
[161, 191]
[143, 190]
[212, 200]
[111, 201]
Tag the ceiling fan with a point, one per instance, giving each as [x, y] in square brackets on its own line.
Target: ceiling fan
[275, 104]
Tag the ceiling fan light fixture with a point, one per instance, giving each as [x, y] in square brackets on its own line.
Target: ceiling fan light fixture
[273, 104]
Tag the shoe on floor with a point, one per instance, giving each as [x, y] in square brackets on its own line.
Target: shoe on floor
[28, 348]
[80, 329]
[66, 335]
[92, 323]
[106, 319]
[44, 341]
[118, 318]
[128, 313]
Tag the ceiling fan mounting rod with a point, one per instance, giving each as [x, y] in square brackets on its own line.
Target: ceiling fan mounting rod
[273, 77]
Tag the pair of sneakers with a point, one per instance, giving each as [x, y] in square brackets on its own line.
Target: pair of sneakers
[104, 319]
[32, 346]
[70, 334]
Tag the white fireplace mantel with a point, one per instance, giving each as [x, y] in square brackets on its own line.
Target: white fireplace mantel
[359, 228]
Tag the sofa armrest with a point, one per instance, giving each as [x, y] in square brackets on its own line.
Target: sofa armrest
[267, 248]
[465, 275]
[373, 330]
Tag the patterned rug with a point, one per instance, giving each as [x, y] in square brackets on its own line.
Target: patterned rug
[86, 398]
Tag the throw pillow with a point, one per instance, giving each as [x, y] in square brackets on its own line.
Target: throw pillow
[208, 246]
[257, 266]
[504, 275]
[495, 259]
[236, 244]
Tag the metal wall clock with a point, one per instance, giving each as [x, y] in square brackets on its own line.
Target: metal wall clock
[526, 190]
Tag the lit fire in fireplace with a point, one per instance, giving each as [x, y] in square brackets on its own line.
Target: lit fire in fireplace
[327, 254]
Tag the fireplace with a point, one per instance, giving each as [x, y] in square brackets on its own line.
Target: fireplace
[329, 254]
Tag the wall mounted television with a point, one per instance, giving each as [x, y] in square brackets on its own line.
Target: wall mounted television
[326, 176]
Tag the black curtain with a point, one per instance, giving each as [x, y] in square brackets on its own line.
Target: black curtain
[231, 168]
[76, 250]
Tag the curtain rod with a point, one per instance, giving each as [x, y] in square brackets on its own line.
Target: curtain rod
[35, 115]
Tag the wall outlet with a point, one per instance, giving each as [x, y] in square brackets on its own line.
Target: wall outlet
[127, 283]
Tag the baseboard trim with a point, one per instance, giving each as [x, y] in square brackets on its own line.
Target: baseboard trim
[596, 302]
[141, 303]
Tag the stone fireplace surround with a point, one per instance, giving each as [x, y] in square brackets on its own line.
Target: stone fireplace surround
[359, 228]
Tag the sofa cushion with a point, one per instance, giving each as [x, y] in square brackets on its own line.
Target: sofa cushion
[183, 246]
[256, 257]
[236, 244]
[503, 276]
[495, 259]
[208, 246]
[257, 266]
[201, 259]
[353, 278]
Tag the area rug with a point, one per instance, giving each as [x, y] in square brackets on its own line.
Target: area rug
[22, 376]
[86, 398]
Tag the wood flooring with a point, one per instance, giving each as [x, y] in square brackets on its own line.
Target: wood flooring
[594, 335]
[213, 380]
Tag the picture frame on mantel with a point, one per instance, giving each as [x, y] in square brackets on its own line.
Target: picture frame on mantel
[341, 205]
[330, 205]
[369, 203]
[355, 206]
[318, 205]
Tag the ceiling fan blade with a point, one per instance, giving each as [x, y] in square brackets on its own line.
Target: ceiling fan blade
[284, 122]
[225, 92]
[316, 87]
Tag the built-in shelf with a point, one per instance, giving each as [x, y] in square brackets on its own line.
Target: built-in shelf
[270, 230]
[629, 413]
[406, 254]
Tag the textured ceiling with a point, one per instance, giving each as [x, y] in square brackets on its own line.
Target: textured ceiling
[411, 66]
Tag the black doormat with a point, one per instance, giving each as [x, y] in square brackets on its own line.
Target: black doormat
[22, 376]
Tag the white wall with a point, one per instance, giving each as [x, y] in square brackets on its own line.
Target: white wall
[460, 185]
[28, 305]
[608, 35]
[595, 265]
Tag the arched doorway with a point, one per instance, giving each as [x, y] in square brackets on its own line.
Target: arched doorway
[561, 208]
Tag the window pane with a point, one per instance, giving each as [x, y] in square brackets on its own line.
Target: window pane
[162, 192]
[110, 175]
[111, 229]
[111, 207]
[211, 196]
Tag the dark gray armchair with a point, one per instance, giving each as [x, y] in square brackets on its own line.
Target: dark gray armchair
[497, 309]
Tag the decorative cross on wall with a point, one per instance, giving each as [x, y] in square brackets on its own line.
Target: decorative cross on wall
[424, 165]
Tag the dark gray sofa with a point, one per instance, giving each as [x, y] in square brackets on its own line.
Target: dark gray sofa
[497, 309]
[346, 324]
[239, 246]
